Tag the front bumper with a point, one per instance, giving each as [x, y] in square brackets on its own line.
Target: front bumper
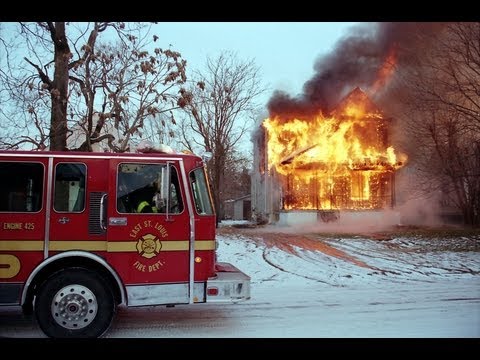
[230, 285]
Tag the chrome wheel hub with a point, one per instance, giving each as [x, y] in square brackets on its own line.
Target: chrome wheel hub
[74, 307]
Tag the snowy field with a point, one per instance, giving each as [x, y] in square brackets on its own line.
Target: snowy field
[402, 287]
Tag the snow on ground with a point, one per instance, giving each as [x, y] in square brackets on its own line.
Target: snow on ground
[409, 287]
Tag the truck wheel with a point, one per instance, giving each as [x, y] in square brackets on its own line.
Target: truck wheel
[75, 303]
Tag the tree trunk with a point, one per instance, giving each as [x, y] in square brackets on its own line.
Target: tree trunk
[217, 183]
[59, 91]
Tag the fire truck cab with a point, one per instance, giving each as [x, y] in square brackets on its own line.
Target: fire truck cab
[84, 233]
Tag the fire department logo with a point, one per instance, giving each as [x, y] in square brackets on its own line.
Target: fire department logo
[149, 246]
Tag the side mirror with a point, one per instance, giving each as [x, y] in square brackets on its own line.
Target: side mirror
[165, 182]
[163, 198]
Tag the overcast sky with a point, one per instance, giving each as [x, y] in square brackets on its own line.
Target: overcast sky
[284, 51]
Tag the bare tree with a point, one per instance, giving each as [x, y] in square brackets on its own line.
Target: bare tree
[125, 88]
[220, 107]
[439, 93]
[22, 112]
[236, 170]
[40, 84]
[163, 131]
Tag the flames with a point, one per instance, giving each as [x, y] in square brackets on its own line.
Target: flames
[338, 161]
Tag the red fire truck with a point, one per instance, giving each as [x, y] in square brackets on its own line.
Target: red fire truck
[84, 233]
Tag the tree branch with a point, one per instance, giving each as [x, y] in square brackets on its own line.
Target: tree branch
[42, 75]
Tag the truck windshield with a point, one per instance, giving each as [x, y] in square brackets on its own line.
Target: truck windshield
[139, 189]
[201, 193]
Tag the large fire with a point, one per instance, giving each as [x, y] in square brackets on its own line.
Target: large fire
[339, 161]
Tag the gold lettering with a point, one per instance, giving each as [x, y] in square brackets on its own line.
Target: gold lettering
[135, 230]
[12, 226]
[161, 229]
[29, 226]
[139, 266]
[155, 266]
[147, 223]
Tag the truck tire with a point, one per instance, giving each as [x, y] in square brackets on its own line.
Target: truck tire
[75, 302]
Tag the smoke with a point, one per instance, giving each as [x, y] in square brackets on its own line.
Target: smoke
[355, 61]
[348, 222]
[413, 213]
[257, 132]
[417, 204]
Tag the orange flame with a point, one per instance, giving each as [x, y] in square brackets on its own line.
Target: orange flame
[338, 161]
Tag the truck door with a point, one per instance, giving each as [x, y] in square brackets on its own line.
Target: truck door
[79, 190]
[22, 222]
[148, 230]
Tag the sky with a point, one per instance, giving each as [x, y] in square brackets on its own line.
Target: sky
[284, 51]
[404, 287]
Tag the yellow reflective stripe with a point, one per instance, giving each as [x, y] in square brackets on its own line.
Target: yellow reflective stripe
[113, 246]
[78, 245]
[130, 246]
[122, 246]
[21, 245]
[205, 245]
[174, 245]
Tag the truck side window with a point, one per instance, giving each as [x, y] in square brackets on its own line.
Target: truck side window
[139, 186]
[21, 187]
[69, 193]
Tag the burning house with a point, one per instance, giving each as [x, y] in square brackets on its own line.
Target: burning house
[320, 154]
[316, 168]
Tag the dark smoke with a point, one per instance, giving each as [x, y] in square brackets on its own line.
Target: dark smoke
[354, 62]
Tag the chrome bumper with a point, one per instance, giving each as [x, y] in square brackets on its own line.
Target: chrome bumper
[230, 285]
